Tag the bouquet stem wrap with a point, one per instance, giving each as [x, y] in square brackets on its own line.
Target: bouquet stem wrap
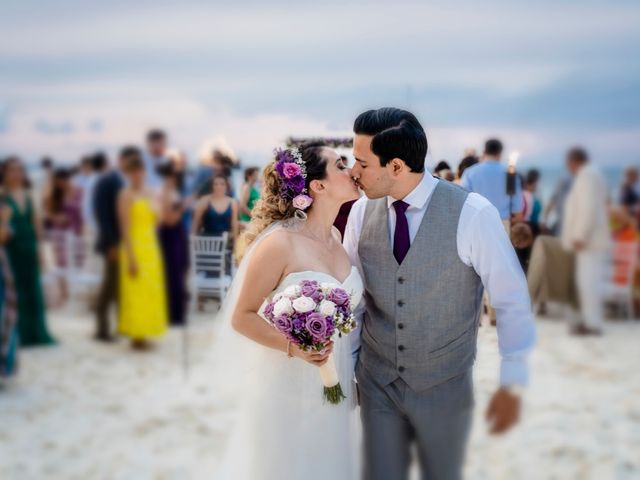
[329, 375]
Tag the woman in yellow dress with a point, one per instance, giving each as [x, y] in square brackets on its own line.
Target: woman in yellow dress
[143, 305]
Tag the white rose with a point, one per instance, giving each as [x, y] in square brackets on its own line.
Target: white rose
[327, 287]
[292, 291]
[304, 304]
[277, 297]
[327, 308]
[282, 307]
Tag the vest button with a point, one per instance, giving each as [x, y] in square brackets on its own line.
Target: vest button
[400, 280]
[401, 369]
[400, 326]
[400, 303]
[401, 347]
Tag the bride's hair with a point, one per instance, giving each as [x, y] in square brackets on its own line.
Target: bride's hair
[272, 206]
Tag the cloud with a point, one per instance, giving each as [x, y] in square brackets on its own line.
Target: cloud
[77, 75]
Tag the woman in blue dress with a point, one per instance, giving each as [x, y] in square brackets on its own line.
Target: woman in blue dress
[216, 212]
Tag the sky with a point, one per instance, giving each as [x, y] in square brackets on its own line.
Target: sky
[76, 76]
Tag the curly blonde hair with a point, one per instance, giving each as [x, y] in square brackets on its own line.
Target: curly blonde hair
[272, 207]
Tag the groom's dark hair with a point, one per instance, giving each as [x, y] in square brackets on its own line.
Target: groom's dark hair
[396, 134]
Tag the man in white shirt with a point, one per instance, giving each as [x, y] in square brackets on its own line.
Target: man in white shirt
[422, 312]
[154, 156]
[585, 232]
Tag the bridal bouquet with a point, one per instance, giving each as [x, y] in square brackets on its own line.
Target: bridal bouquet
[310, 314]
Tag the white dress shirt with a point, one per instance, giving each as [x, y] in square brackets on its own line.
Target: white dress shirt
[482, 243]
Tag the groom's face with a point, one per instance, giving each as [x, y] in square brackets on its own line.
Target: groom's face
[374, 179]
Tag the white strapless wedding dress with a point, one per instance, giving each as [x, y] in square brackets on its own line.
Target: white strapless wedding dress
[285, 430]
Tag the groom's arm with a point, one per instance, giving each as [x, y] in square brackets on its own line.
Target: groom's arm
[485, 245]
[350, 242]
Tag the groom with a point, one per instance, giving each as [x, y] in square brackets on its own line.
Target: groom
[426, 250]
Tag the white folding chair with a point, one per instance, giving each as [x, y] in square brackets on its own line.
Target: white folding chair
[618, 284]
[209, 277]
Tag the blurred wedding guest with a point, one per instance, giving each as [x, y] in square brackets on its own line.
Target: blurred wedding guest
[522, 239]
[62, 218]
[154, 156]
[44, 182]
[174, 244]
[630, 190]
[22, 249]
[178, 161]
[105, 197]
[82, 175]
[489, 179]
[216, 212]
[345, 209]
[249, 194]
[211, 164]
[8, 302]
[555, 208]
[532, 204]
[99, 163]
[470, 152]
[465, 163]
[343, 217]
[585, 232]
[142, 306]
[440, 167]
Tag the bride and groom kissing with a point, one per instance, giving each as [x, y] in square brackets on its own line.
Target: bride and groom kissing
[416, 257]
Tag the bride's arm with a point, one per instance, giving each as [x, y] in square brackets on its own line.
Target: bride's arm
[262, 276]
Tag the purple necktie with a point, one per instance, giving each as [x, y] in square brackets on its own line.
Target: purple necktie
[401, 240]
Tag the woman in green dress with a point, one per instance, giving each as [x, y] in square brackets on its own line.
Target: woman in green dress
[249, 194]
[24, 258]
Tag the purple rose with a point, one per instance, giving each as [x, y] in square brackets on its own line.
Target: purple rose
[291, 170]
[268, 310]
[283, 324]
[309, 288]
[338, 296]
[294, 185]
[317, 326]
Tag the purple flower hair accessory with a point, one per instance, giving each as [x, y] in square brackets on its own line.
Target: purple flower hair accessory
[293, 173]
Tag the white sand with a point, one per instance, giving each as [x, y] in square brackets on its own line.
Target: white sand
[84, 410]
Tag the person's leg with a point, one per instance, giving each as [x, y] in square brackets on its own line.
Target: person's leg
[386, 431]
[589, 278]
[441, 417]
[107, 294]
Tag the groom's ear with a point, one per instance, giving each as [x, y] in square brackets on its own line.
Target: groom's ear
[397, 166]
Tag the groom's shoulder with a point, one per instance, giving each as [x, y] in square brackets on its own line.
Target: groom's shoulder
[359, 208]
[476, 202]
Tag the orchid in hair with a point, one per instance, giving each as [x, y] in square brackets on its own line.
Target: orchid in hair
[292, 172]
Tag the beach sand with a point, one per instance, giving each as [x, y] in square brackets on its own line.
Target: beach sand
[83, 410]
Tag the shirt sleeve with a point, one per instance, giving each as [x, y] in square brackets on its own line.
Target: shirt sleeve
[350, 242]
[465, 182]
[485, 246]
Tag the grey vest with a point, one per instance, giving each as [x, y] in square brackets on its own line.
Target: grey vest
[421, 320]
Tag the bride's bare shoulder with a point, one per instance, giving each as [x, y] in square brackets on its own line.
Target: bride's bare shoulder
[278, 242]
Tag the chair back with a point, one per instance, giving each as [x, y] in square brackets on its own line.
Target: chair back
[209, 255]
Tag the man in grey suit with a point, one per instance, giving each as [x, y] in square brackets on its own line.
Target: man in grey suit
[426, 250]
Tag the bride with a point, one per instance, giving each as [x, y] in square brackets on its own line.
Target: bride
[285, 430]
